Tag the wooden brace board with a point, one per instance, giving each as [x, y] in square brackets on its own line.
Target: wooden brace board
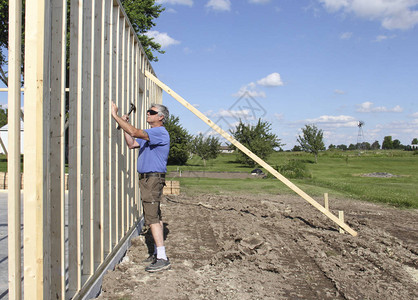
[251, 155]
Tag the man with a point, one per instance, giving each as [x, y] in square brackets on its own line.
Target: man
[154, 145]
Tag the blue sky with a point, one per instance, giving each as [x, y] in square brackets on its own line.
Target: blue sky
[330, 63]
[325, 62]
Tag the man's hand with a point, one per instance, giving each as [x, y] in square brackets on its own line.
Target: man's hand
[125, 118]
[114, 110]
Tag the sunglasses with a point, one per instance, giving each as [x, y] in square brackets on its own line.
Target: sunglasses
[152, 112]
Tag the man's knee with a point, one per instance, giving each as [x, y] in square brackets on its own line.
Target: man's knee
[152, 212]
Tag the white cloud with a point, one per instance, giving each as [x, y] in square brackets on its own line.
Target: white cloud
[173, 2]
[346, 35]
[259, 1]
[339, 92]
[334, 121]
[381, 38]
[228, 113]
[219, 5]
[398, 128]
[271, 80]
[245, 113]
[393, 14]
[334, 5]
[415, 115]
[367, 107]
[249, 90]
[162, 38]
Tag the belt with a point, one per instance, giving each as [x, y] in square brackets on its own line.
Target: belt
[147, 175]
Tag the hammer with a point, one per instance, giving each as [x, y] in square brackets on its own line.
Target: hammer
[131, 109]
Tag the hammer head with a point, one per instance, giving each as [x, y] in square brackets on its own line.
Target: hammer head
[132, 108]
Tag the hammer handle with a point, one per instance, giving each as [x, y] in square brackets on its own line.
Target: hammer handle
[129, 113]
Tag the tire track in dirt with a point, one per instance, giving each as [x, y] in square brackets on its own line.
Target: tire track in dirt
[376, 259]
[273, 247]
[279, 254]
[199, 241]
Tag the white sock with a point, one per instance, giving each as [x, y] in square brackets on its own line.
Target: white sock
[161, 253]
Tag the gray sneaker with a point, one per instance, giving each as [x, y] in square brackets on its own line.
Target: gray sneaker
[158, 265]
[150, 259]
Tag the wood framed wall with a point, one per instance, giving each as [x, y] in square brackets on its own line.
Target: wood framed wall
[78, 58]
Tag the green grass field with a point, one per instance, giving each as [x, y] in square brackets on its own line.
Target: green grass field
[337, 173]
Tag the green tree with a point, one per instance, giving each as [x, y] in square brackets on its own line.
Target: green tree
[363, 146]
[414, 141]
[312, 140]
[387, 142]
[179, 142]
[397, 144]
[3, 117]
[259, 139]
[4, 37]
[375, 145]
[332, 146]
[142, 15]
[296, 148]
[342, 147]
[206, 148]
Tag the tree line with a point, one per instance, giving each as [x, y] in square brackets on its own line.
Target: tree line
[387, 144]
[258, 138]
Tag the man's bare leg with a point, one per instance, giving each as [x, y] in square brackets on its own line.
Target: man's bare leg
[162, 262]
[157, 231]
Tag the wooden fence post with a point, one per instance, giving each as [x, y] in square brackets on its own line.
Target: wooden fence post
[341, 217]
[326, 204]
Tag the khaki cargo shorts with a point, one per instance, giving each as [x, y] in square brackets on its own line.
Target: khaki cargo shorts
[151, 189]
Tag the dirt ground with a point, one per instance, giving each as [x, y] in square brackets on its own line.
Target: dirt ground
[274, 247]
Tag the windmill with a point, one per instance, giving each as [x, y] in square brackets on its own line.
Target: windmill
[360, 136]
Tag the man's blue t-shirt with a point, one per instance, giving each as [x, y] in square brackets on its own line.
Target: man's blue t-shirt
[153, 154]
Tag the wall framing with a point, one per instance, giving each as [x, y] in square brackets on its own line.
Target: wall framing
[69, 238]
